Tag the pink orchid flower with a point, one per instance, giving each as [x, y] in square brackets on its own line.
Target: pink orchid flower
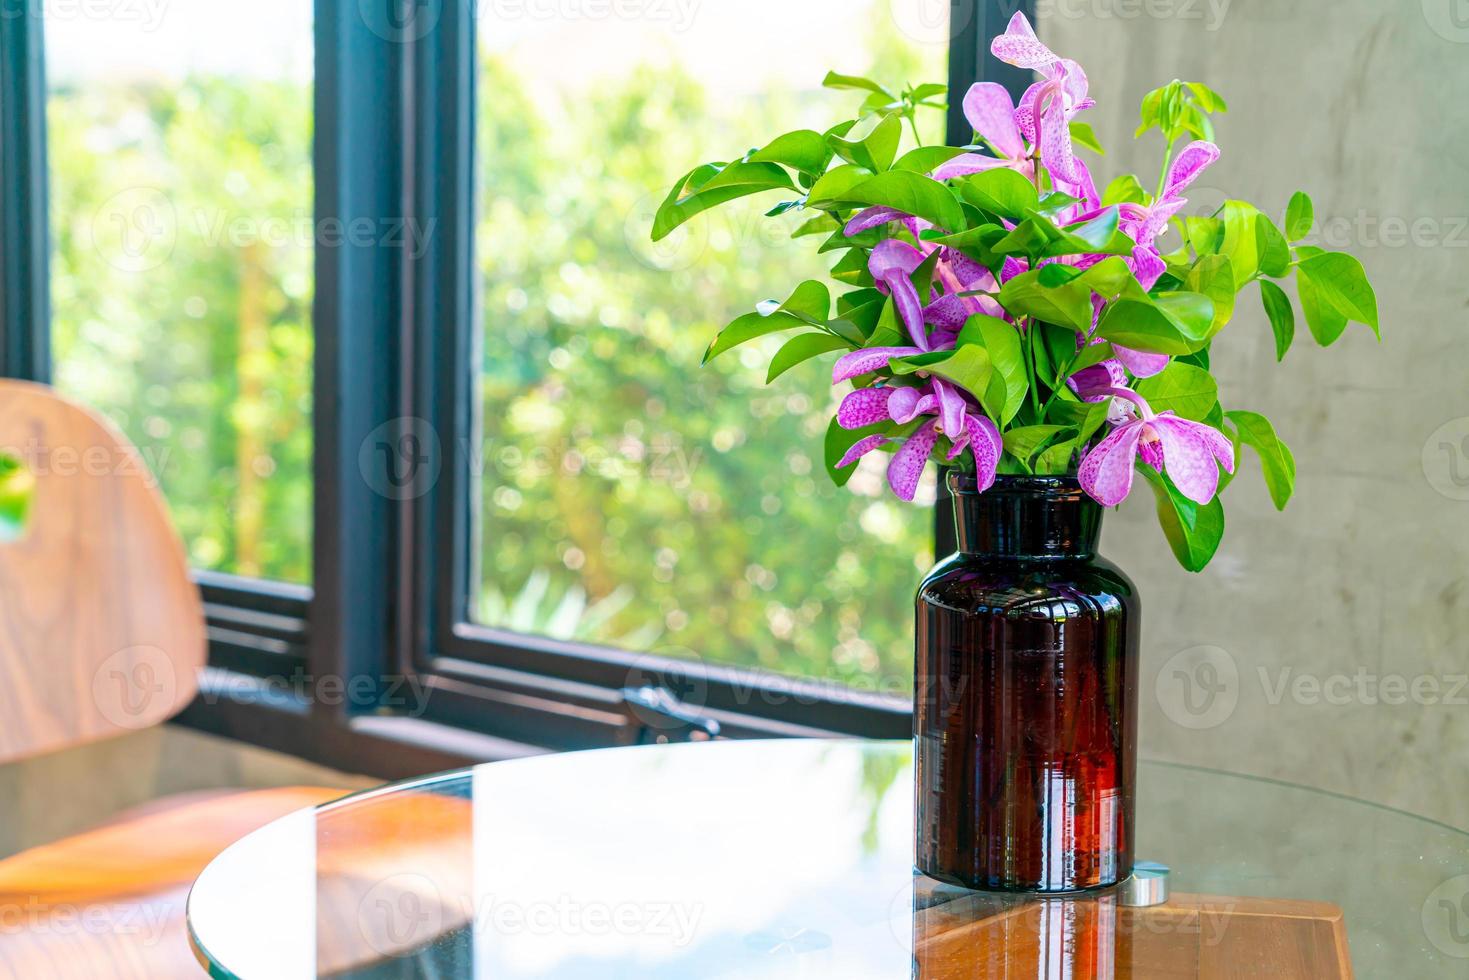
[991, 112]
[1188, 451]
[956, 418]
[1047, 108]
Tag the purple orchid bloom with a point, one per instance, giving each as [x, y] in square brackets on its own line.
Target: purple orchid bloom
[1047, 108]
[1144, 224]
[1191, 452]
[991, 112]
[892, 265]
[955, 417]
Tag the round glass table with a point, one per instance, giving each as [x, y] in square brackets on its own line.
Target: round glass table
[792, 859]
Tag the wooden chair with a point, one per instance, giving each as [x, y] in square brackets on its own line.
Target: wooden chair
[102, 633]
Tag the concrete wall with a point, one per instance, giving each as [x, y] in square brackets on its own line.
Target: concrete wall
[1365, 105]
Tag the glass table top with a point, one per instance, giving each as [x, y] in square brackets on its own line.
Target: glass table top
[793, 859]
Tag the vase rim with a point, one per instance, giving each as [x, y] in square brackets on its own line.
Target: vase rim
[962, 482]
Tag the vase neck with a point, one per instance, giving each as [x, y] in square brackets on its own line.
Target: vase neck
[1025, 518]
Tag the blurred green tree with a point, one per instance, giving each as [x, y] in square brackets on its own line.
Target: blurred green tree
[628, 496]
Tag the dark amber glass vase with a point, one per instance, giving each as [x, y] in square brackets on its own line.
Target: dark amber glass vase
[1026, 695]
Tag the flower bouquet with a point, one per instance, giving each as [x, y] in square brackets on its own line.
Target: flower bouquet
[1002, 315]
[1047, 341]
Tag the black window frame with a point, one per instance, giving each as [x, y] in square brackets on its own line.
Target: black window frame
[397, 343]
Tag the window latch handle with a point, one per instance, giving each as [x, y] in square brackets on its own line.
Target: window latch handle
[658, 717]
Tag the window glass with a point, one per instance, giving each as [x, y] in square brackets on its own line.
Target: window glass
[628, 495]
[182, 230]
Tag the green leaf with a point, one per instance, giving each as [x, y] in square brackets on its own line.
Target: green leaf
[1240, 243]
[835, 183]
[889, 331]
[1271, 246]
[1085, 417]
[1038, 236]
[1340, 280]
[925, 159]
[746, 328]
[1213, 276]
[872, 146]
[928, 91]
[1025, 441]
[1068, 305]
[1188, 391]
[800, 349]
[835, 80]
[1276, 460]
[1300, 216]
[904, 191]
[838, 441]
[1173, 323]
[1282, 316]
[968, 367]
[17, 494]
[810, 300]
[1088, 356]
[1001, 191]
[1009, 385]
[1083, 135]
[1193, 531]
[1056, 460]
[1205, 235]
[734, 181]
[1126, 189]
[1208, 99]
[1323, 319]
[852, 269]
[821, 224]
[1151, 108]
[805, 150]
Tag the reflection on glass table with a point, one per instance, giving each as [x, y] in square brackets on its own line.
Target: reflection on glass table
[793, 859]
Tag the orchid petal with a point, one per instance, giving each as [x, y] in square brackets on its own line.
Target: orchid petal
[1056, 149]
[872, 218]
[908, 462]
[906, 404]
[1074, 84]
[1186, 456]
[969, 163]
[866, 361]
[1025, 111]
[1084, 189]
[1140, 363]
[1218, 444]
[1020, 47]
[983, 441]
[864, 407]
[859, 449]
[894, 255]
[1106, 472]
[947, 313]
[1089, 381]
[991, 112]
[892, 264]
[1147, 265]
[944, 338]
[905, 295]
[952, 408]
[1151, 453]
[1192, 160]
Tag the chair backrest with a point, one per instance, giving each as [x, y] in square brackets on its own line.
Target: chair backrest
[101, 627]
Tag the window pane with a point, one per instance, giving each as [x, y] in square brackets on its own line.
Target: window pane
[181, 216]
[629, 496]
